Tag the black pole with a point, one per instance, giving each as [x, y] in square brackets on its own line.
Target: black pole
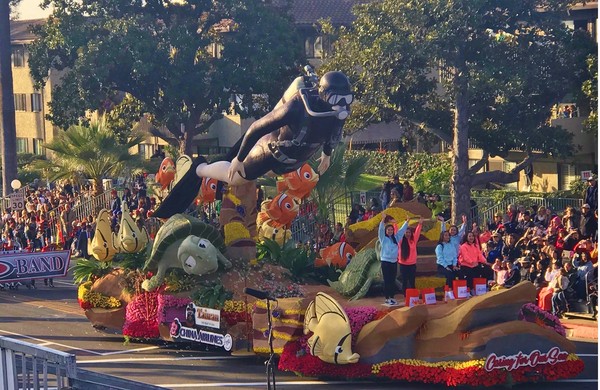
[269, 363]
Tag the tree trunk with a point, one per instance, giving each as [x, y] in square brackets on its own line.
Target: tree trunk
[460, 182]
[7, 109]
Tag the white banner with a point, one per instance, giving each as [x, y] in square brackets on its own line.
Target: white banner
[207, 317]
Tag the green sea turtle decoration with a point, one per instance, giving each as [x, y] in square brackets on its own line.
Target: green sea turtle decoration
[184, 242]
[360, 273]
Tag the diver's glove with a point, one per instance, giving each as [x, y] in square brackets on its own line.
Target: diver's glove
[236, 167]
[324, 164]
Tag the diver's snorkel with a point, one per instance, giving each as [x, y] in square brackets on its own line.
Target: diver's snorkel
[341, 112]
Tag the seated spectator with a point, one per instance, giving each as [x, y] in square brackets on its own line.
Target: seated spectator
[511, 251]
[494, 247]
[540, 218]
[471, 261]
[552, 271]
[513, 275]
[524, 224]
[501, 272]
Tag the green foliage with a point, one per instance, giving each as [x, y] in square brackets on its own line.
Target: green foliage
[90, 152]
[121, 118]
[435, 180]
[164, 55]
[213, 296]
[298, 261]
[578, 187]
[343, 175]
[89, 270]
[406, 165]
[323, 274]
[590, 90]
[131, 261]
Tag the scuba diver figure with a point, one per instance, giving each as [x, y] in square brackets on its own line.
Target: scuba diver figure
[305, 119]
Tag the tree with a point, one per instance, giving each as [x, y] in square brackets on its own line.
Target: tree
[590, 91]
[92, 152]
[7, 108]
[182, 61]
[478, 71]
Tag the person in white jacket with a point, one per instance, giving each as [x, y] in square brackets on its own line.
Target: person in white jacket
[389, 256]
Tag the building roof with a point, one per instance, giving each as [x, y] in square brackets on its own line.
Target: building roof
[380, 132]
[20, 30]
[308, 12]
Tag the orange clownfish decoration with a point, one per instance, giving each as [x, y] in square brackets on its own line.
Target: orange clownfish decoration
[282, 210]
[208, 191]
[166, 172]
[337, 255]
[299, 183]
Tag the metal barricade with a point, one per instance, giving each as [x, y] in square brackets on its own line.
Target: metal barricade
[26, 366]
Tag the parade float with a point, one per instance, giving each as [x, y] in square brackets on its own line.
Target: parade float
[187, 285]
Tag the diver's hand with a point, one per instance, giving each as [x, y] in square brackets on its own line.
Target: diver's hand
[324, 164]
[236, 167]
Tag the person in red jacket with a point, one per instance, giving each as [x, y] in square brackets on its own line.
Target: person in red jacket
[472, 262]
[407, 256]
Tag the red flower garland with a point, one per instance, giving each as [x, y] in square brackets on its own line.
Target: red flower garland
[141, 316]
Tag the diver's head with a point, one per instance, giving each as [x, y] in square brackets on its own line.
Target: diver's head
[334, 88]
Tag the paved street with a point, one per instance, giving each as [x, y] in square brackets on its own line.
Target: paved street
[51, 317]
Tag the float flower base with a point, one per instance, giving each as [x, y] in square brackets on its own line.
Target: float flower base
[296, 358]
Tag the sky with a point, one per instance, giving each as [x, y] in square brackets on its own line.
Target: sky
[30, 9]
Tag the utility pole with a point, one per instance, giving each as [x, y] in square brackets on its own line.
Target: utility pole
[8, 133]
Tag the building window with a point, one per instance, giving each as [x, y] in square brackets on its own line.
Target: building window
[317, 47]
[36, 102]
[18, 56]
[22, 145]
[20, 102]
[566, 175]
[37, 146]
[145, 151]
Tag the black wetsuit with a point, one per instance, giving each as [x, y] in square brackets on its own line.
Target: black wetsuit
[278, 143]
[281, 142]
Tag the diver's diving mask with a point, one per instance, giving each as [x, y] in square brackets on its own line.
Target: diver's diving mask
[339, 104]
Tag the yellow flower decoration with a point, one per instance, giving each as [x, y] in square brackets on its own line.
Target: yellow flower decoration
[429, 282]
[399, 214]
[236, 307]
[420, 363]
[235, 231]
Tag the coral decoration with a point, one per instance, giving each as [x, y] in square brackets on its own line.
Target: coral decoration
[532, 313]
[141, 316]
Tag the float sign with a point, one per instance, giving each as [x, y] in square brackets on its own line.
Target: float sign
[15, 267]
[180, 332]
[207, 317]
[532, 359]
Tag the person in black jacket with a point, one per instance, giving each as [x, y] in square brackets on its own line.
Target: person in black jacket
[589, 222]
[591, 193]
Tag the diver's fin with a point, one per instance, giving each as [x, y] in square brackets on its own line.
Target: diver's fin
[182, 194]
[325, 304]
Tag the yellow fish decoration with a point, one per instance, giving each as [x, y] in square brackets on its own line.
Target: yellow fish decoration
[130, 238]
[332, 338]
[102, 245]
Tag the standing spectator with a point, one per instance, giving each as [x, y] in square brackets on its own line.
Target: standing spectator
[127, 198]
[446, 258]
[385, 194]
[85, 233]
[395, 198]
[408, 193]
[115, 202]
[396, 185]
[338, 232]
[389, 256]
[591, 193]
[407, 256]
[589, 222]
[260, 196]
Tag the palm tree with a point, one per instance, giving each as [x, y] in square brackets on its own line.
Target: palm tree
[342, 176]
[91, 152]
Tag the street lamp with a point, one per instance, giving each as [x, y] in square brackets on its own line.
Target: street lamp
[15, 184]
